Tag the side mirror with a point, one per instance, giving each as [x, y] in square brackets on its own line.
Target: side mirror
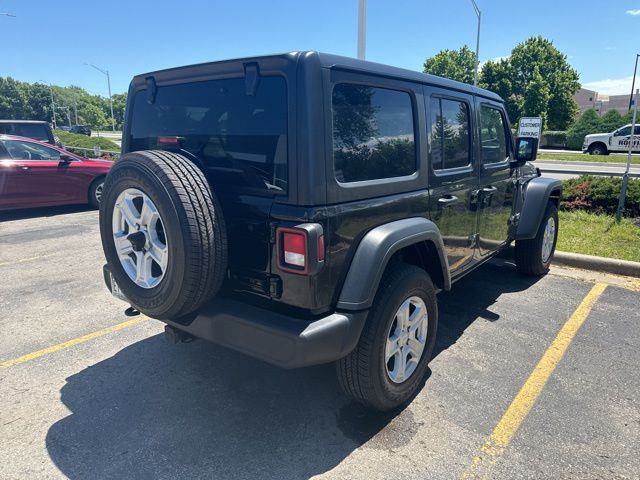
[526, 150]
[64, 158]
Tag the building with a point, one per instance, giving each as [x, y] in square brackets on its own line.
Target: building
[587, 99]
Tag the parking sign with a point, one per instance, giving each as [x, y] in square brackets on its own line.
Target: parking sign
[530, 127]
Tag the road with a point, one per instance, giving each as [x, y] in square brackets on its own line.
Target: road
[86, 392]
[557, 169]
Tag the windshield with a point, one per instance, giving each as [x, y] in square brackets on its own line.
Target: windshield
[241, 138]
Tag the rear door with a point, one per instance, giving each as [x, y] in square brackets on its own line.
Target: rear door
[237, 129]
[453, 176]
[496, 186]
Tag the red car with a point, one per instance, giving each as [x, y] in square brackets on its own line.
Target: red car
[36, 174]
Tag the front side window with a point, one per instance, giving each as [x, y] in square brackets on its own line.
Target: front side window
[19, 150]
[623, 132]
[240, 137]
[449, 134]
[493, 138]
[373, 133]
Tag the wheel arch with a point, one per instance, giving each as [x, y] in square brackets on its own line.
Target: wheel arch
[596, 143]
[415, 240]
[539, 191]
[93, 182]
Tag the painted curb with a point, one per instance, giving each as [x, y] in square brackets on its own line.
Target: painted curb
[600, 264]
[588, 262]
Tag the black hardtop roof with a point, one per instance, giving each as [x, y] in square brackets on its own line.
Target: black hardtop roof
[23, 121]
[328, 60]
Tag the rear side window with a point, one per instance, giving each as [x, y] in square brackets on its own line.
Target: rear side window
[373, 133]
[241, 138]
[450, 142]
[37, 131]
[493, 137]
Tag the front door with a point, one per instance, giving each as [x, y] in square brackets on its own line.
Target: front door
[621, 138]
[453, 174]
[496, 185]
[39, 178]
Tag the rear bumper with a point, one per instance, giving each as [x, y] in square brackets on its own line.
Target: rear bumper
[279, 339]
[275, 338]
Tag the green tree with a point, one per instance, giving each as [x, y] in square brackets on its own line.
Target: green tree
[536, 97]
[13, 100]
[119, 105]
[511, 77]
[455, 64]
[589, 122]
[561, 80]
[611, 120]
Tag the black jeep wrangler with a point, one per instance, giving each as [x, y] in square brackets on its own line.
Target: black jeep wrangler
[306, 208]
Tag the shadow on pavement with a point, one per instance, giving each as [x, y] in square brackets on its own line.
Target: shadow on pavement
[196, 410]
[27, 213]
[471, 297]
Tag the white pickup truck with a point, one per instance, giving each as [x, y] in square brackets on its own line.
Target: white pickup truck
[617, 141]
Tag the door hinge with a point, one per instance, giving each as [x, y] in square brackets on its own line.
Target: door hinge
[514, 219]
[474, 239]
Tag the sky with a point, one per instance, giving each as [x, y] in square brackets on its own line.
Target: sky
[50, 40]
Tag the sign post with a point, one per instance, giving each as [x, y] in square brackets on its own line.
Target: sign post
[625, 177]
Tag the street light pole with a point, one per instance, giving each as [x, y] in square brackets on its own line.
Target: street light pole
[362, 28]
[106, 72]
[633, 83]
[479, 15]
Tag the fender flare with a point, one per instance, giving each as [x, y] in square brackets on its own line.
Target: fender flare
[373, 254]
[537, 193]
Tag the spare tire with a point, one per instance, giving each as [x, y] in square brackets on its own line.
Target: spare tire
[163, 233]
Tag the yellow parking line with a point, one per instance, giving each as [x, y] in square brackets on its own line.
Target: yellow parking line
[508, 425]
[72, 342]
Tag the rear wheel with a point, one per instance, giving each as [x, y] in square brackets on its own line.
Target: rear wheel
[95, 192]
[163, 233]
[388, 366]
[533, 257]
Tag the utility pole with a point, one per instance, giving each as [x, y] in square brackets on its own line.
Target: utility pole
[75, 109]
[479, 15]
[53, 107]
[362, 29]
[625, 177]
[106, 72]
[633, 83]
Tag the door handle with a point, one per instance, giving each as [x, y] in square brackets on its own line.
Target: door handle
[448, 200]
[23, 168]
[489, 189]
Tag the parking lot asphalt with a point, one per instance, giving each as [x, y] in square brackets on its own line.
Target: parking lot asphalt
[86, 392]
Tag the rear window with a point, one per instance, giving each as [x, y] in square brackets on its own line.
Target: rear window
[373, 133]
[240, 137]
[37, 131]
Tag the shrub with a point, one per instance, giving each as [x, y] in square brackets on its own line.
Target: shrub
[600, 195]
[553, 139]
[74, 140]
[588, 123]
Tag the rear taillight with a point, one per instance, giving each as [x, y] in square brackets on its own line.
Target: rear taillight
[295, 249]
[301, 249]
